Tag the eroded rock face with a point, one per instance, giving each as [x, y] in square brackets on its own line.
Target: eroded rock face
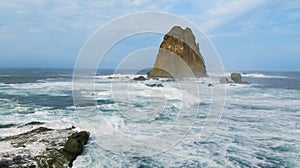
[181, 43]
[74, 145]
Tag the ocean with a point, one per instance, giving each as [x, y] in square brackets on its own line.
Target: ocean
[143, 124]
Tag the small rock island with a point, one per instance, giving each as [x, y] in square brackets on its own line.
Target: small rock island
[237, 78]
[178, 42]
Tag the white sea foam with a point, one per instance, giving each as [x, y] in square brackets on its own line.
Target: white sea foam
[48, 88]
[250, 75]
[259, 75]
[117, 76]
[82, 161]
[19, 129]
[257, 122]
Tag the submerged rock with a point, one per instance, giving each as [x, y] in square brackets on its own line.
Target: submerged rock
[154, 84]
[39, 146]
[85, 105]
[113, 77]
[140, 78]
[179, 43]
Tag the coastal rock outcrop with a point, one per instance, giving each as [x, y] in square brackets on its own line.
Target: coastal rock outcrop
[237, 78]
[181, 43]
[74, 145]
[140, 78]
[154, 84]
[37, 145]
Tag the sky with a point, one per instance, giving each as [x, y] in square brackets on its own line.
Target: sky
[247, 34]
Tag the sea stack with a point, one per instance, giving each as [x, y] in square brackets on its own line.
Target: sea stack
[237, 78]
[178, 43]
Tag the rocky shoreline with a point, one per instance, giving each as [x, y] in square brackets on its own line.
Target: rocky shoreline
[37, 144]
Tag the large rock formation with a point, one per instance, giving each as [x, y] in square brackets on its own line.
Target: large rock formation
[181, 43]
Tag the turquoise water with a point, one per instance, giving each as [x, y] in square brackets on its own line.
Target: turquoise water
[259, 127]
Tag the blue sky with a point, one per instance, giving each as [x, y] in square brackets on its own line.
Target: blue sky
[248, 34]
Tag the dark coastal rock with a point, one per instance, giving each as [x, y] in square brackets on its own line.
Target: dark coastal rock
[155, 85]
[74, 145]
[180, 42]
[169, 80]
[140, 78]
[237, 78]
[224, 80]
[39, 146]
[113, 77]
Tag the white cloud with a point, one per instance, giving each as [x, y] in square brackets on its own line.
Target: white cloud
[87, 16]
[225, 11]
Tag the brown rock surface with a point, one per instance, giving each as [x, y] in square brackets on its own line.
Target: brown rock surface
[179, 42]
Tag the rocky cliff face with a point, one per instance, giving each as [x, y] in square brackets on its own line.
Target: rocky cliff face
[179, 43]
